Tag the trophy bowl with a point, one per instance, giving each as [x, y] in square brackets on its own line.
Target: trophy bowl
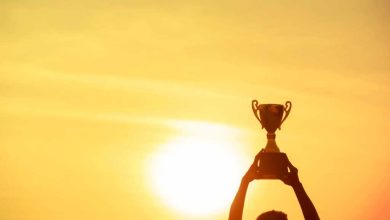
[271, 115]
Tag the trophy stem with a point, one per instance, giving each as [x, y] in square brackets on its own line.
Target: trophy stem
[271, 146]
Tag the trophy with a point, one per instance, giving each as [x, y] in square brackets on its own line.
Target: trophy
[273, 163]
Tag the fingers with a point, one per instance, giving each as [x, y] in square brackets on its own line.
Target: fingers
[257, 158]
[293, 169]
[290, 166]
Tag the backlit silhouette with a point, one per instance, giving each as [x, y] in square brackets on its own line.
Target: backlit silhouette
[291, 179]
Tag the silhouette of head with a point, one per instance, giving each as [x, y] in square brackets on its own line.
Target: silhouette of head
[272, 215]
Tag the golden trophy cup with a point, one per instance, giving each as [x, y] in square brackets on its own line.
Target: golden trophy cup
[273, 163]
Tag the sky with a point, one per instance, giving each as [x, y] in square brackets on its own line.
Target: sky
[92, 94]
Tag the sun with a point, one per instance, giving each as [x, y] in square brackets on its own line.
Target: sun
[198, 172]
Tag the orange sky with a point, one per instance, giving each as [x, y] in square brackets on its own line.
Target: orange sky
[90, 90]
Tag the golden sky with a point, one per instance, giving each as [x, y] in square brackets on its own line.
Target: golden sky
[92, 91]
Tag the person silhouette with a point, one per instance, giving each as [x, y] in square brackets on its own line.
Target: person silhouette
[291, 179]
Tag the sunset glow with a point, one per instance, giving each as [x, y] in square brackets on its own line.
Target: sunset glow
[122, 110]
[197, 173]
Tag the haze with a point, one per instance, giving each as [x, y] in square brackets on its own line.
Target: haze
[89, 90]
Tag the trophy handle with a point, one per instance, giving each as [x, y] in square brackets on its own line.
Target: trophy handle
[287, 109]
[255, 106]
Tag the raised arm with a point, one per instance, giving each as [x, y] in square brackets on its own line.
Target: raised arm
[307, 207]
[237, 206]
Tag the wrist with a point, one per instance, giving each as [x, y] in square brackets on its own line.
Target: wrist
[296, 185]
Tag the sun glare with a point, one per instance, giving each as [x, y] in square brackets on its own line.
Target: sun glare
[198, 172]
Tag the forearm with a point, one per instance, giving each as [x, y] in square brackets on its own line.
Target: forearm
[308, 209]
[237, 206]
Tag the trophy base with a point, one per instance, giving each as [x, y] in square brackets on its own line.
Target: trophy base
[272, 165]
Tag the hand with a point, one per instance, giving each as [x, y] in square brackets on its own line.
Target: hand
[252, 172]
[291, 178]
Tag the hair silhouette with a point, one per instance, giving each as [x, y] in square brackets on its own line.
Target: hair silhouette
[272, 215]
